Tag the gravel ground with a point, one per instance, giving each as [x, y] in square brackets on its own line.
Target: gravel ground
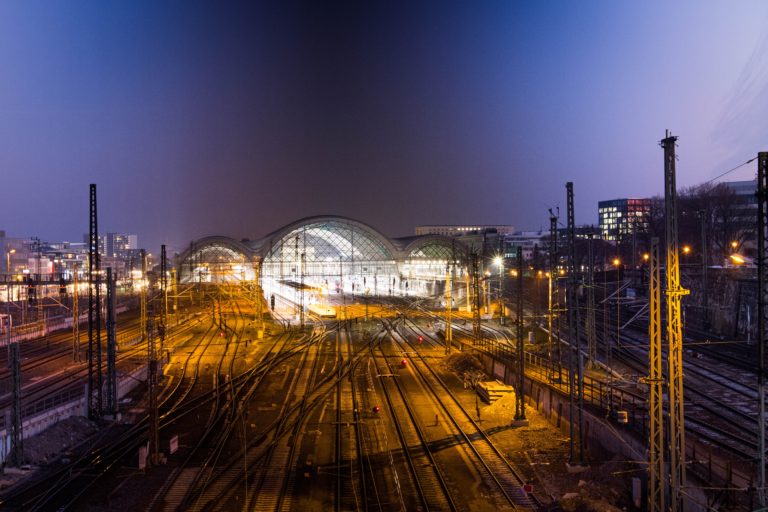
[540, 452]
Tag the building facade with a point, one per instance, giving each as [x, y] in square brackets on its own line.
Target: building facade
[619, 218]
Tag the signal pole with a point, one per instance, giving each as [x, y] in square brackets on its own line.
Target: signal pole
[674, 331]
[762, 253]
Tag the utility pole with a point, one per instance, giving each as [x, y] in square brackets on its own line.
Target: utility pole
[554, 302]
[704, 266]
[75, 317]
[656, 382]
[467, 279]
[591, 326]
[111, 346]
[301, 292]
[448, 330]
[154, 426]
[674, 332]
[259, 313]
[143, 296]
[762, 254]
[520, 392]
[476, 297]
[163, 298]
[576, 361]
[501, 280]
[94, 313]
[16, 454]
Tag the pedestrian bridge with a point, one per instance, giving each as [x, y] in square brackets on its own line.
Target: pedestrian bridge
[328, 255]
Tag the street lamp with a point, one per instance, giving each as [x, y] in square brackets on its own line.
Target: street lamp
[499, 261]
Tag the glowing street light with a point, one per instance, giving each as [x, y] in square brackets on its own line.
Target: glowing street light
[737, 259]
[646, 256]
[686, 249]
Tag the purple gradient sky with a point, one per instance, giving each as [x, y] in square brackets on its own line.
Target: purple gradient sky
[200, 118]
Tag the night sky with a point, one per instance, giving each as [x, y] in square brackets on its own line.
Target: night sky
[206, 118]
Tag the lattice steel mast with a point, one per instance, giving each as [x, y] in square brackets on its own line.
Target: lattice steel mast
[591, 325]
[520, 392]
[575, 359]
[674, 294]
[94, 313]
[111, 346]
[476, 298]
[448, 328]
[656, 383]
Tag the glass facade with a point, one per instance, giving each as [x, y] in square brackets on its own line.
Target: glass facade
[622, 217]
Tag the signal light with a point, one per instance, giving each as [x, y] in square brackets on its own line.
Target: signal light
[376, 409]
[421, 338]
[404, 362]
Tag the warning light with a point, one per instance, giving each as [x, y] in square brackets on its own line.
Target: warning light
[421, 338]
[404, 362]
[527, 488]
[221, 334]
[376, 408]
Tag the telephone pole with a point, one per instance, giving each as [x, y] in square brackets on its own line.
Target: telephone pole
[674, 294]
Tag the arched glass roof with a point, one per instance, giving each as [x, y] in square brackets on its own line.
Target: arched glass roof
[215, 259]
[330, 240]
[432, 251]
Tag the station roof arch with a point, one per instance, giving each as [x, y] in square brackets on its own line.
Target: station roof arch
[330, 237]
[434, 247]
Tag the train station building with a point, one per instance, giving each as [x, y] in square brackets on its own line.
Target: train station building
[325, 256]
